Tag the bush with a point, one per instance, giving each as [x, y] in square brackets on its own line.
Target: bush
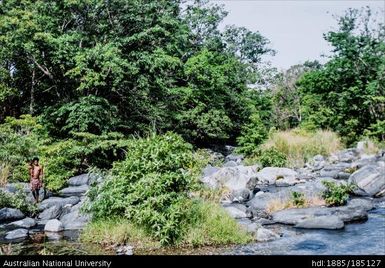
[253, 135]
[272, 158]
[63, 159]
[298, 199]
[150, 186]
[337, 194]
[18, 144]
[17, 200]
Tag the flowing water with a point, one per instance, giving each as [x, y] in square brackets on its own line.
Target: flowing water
[367, 238]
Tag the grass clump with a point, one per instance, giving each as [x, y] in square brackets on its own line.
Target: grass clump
[296, 200]
[293, 148]
[337, 194]
[212, 226]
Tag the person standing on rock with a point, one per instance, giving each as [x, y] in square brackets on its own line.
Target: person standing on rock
[36, 175]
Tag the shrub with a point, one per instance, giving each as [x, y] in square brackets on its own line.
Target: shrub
[17, 200]
[272, 158]
[152, 189]
[89, 114]
[18, 144]
[253, 135]
[150, 186]
[63, 159]
[298, 199]
[337, 194]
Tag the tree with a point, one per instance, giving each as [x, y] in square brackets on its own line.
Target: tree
[347, 94]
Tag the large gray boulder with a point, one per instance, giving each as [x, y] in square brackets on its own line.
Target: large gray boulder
[53, 226]
[209, 170]
[74, 220]
[17, 234]
[370, 180]
[24, 223]
[334, 170]
[9, 214]
[264, 235]
[235, 212]
[51, 213]
[74, 190]
[58, 201]
[79, 180]
[232, 178]
[237, 158]
[354, 211]
[321, 222]
[279, 176]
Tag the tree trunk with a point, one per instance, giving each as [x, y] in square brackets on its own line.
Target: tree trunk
[32, 97]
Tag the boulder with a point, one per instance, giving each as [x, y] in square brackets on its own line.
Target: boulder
[249, 226]
[240, 196]
[74, 220]
[270, 175]
[332, 171]
[233, 178]
[230, 164]
[9, 214]
[58, 201]
[74, 190]
[264, 235]
[235, 213]
[24, 223]
[209, 170]
[370, 180]
[318, 158]
[53, 226]
[79, 180]
[17, 234]
[343, 175]
[51, 213]
[348, 155]
[322, 222]
[237, 158]
[354, 211]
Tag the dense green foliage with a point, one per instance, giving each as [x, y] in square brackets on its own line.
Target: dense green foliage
[85, 70]
[337, 194]
[18, 145]
[84, 84]
[347, 93]
[151, 189]
[150, 186]
[298, 199]
[17, 200]
[271, 158]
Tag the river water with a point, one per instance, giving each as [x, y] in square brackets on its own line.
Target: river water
[365, 238]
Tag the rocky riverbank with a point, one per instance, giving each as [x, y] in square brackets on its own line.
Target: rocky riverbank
[255, 197]
[56, 213]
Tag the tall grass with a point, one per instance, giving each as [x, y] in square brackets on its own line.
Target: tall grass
[116, 231]
[4, 174]
[299, 146]
[212, 226]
